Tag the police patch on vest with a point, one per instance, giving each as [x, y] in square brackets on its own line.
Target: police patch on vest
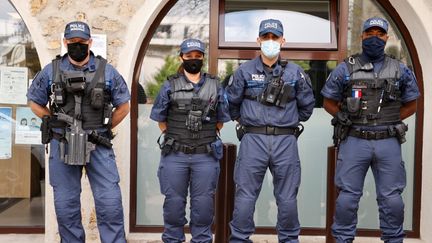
[258, 77]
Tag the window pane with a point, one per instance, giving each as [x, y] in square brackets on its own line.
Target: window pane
[22, 157]
[303, 21]
[360, 10]
[187, 19]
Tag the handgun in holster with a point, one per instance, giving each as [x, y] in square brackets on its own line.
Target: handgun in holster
[46, 130]
[167, 146]
[401, 129]
[240, 131]
[299, 130]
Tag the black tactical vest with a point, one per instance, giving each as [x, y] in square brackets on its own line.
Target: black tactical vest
[184, 98]
[373, 99]
[91, 118]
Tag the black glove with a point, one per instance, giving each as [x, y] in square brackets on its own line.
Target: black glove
[194, 121]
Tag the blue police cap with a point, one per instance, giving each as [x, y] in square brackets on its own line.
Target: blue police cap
[77, 29]
[375, 22]
[271, 26]
[189, 45]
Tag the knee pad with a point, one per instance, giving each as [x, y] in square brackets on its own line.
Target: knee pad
[346, 208]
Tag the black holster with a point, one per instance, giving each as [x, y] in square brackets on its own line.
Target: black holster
[46, 130]
[167, 145]
[240, 131]
[341, 126]
[400, 130]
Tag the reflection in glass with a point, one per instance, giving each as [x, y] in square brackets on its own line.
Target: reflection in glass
[22, 160]
[303, 21]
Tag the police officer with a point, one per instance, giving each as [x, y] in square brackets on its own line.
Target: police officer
[190, 110]
[268, 97]
[82, 90]
[369, 95]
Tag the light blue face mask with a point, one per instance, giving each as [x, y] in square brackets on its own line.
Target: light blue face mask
[270, 48]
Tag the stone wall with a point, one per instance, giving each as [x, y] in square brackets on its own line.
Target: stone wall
[110, 17]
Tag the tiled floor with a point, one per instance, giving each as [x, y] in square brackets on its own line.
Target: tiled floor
[155, 238]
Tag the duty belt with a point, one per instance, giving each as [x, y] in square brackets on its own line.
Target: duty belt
[271, 130]
[370, 134]
[186, 149]
[252, 97]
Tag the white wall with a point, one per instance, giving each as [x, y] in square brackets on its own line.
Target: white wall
[417, 16]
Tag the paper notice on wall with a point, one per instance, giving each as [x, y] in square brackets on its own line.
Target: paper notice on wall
[6, 132]
[27, 130]
[13, 85]
[99, 45]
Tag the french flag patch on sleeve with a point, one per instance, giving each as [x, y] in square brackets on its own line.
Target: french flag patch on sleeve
[356, 93]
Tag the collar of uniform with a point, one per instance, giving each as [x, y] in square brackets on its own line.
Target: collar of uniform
[365, 59]
[259, 65]
[89, 66]
[200, 82]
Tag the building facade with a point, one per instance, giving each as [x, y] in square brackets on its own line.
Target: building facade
[142, 39]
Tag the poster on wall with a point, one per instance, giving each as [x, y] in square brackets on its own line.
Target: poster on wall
[27, 129]
[99, 45]
[13, 85]
[5, 132]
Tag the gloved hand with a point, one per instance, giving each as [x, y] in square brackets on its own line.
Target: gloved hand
[194, 121]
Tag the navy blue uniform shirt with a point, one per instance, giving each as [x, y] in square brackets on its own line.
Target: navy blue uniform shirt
[161, 104]
[252, 77]
[40, 89]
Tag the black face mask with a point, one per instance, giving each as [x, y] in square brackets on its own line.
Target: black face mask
[373, 48]
[77, 51]
[192, 66]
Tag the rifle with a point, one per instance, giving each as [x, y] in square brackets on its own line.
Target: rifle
[79, 146]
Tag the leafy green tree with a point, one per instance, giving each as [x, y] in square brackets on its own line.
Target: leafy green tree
[169, 68]
[229, 70]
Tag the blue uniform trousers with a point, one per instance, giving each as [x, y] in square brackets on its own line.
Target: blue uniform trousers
[66, 182]
[355, 157]
[257, 153]
[177, 173]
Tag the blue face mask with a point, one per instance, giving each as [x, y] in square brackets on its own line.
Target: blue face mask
[270, 48]
[373, 48]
